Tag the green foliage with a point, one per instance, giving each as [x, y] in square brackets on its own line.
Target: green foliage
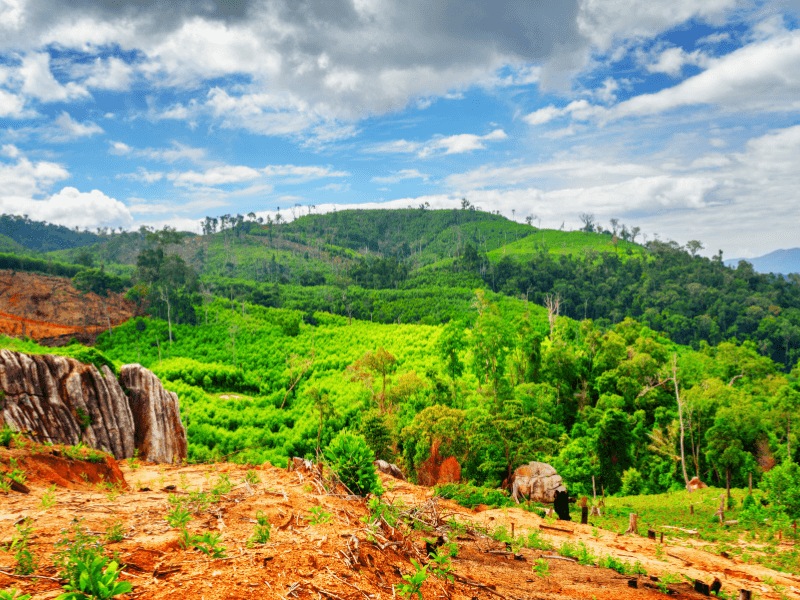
[580, 552]
[99, 282]
[25, 561]
[94, 582]
[6, 435]
[537, 541]
[48, 498]
[414, 581]
[621, 566]
[470, 496]
[632, 482]
[208, 544]
[13, 594]
[782, 486]
[75, 551]
[541, 568]
[114, 531]
[377, 434]
[261, 531]
[351, 459]
[441, 565]
[178, 516]
[319, 516]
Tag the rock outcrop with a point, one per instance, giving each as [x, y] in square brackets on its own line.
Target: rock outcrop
[60, 400]
[536, 481]
[159, 433]
[63, 401]
[389, 468]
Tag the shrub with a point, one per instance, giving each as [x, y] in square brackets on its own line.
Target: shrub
[632, 482]
[782, 486]
[351, 459]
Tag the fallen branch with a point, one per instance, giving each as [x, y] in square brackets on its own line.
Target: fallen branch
[555, 528]
[559, 557]
[476, 584]
[30, 576]
[689, 531]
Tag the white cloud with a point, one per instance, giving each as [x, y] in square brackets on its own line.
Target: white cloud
[216, 176]
[10, 151]
[66, 129]
[70, 207]
[672, 60]
[110, 74]
[38, 81]
[300, 173]
[13, 105]
[454, 144]
[177, 153]
[119, 148]
[143, 175]
[714, 38]
[398, 176]
[25, 179]
[395, 147]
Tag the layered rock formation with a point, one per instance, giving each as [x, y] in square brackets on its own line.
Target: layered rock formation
[537, 481]
[160, 434]
[63, 401]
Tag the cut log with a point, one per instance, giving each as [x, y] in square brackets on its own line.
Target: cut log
[584, 515]
[745, 595]
[689, 531]
[633, 523]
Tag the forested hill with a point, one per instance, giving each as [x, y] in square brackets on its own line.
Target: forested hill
[43, 237]
[420, 265]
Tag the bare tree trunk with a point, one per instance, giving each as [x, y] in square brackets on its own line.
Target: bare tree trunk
[680, 416]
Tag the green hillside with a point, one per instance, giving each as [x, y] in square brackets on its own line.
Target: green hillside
[565, 242]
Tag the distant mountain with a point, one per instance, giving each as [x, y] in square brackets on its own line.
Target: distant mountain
[780, 261]
[43, 237]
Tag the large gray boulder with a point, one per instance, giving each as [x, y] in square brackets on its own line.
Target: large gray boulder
[160, 434]
[536, 481]
[63, 401]
[60, 400]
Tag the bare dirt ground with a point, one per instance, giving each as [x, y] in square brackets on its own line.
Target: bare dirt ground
[40, 306]
[334, 560]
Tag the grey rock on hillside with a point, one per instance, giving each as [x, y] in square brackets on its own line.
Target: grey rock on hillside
[63, 401]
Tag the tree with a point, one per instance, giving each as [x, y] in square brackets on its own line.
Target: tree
[634, 232]
[449, 345]
[588, 222]
[786, 404]
[735, 428]
[614, 225]
[613, 447]
[379, 362]
[325, 410]
[694, 246]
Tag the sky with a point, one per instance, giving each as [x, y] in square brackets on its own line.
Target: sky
[679, 117]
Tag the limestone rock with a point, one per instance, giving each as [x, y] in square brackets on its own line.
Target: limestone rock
[696, 484]
[159, 433]
[60, 400]
[537, 481]
[389, 469]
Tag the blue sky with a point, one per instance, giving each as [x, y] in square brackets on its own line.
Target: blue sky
[680, 117]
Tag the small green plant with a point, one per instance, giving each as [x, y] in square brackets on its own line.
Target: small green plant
[178, 516]
[659, 551]
[6, 435]
[26, 562]
[441, 565]
[183, 482]
[252, 478]
[94, 582]
[414, 581]
[352, 460]
[84, 419]
[537, 541]
[262, 529]
[320, 516]
[76, 547]
[541, 568]
[222, 486]
[114, 532]
[13, 594]
[5, 484]
[48, 498]
[186, 539]
[208, 544]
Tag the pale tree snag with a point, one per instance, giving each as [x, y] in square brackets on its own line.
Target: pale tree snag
[680, 417]
[297, 368]
[553, 305]
[632, 523]
[165, 298]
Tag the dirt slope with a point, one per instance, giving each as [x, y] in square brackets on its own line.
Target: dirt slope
[40, 306]
[333, 560]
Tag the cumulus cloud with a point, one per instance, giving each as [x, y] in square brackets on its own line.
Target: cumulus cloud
[38, 82]
[119, 148]
[453, 144]
[398, 176]
[110, 74]
[66, 129]
[672, 60]
[24, 179]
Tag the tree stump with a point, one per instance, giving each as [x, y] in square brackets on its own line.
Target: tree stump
[632, 523]
[651, 534]
[584, 515]
[745, 595]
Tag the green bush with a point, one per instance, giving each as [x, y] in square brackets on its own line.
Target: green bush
[351, 459]
[782, 486]
[470, 495]
[632, 482]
